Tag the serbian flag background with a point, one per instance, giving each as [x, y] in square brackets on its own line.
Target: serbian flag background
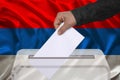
[27, 24]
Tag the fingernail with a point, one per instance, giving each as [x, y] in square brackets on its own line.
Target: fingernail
[59, 32]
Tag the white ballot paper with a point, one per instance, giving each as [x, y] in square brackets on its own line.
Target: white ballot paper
[57, 46]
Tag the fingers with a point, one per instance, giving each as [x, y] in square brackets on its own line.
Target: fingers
[63, 29]
[68, 19]
[58, 20]
[57, 23]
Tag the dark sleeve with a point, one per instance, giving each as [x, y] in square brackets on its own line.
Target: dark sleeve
[97, 11]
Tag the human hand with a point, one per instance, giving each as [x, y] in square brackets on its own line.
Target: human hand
[68, 19]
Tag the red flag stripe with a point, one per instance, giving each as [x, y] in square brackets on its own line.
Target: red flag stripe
[41, 13]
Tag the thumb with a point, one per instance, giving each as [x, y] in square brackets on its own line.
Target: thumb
[63, 28]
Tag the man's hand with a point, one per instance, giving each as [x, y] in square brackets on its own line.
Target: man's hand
[68, 19]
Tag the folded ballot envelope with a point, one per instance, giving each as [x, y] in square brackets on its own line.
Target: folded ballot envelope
[82, 64]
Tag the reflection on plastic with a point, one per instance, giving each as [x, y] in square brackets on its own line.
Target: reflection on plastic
[76, 67]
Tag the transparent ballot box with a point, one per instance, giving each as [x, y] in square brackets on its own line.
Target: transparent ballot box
[82, 64]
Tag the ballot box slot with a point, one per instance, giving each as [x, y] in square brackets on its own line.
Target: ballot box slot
[71, 57]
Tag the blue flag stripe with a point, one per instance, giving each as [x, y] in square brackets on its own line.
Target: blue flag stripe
[12, 40]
